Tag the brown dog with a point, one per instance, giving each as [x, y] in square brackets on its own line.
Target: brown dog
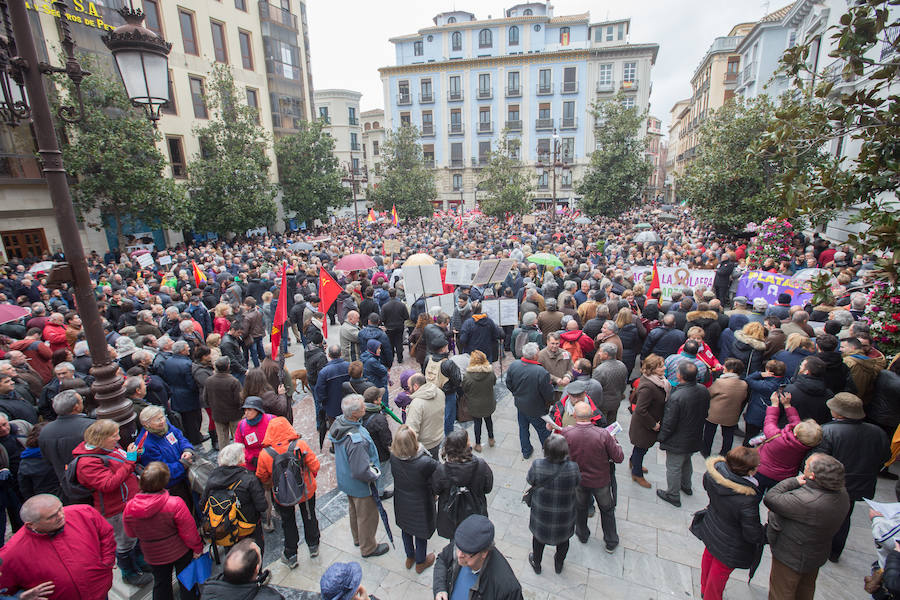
[300, 374]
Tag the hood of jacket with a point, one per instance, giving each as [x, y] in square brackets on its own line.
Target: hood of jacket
[740, 336]
[485, 368]
[461, 472]
[832, 358]
[813, 386]
[367, 356]
[428, 391]
[697, 315]
[279, 431]
[737, 321]
[571, 336]
[145, 505]
[480, 319]
[872, 365]
[734, 484]
[342, 428]
[222, 477]
[82, 448]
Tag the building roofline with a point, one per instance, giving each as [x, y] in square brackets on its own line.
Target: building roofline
[372, 112]
[337, 93]
[484, 23]
[770, 21]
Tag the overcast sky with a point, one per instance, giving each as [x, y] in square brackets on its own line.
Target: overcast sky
[349, 38]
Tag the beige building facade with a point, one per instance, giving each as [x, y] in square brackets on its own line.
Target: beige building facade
[340, 111]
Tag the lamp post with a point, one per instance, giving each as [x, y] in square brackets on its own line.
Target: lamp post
[557, 166]
[353, 188]
[22, 69]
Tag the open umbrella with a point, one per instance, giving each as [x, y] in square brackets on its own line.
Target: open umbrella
[583, 221]
[643, 226]
[391, 231]
[11, 312]
[646, 236]
[354, 262]
[42, 267]
[301, 246]
[668, 217]
[419, 258]
[542, 258]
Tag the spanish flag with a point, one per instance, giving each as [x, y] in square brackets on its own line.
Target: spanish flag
[199, 276]
[371, 217]
[395, 219]
[280, 313]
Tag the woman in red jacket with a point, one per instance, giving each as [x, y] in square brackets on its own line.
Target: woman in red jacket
[109, 472]
[165, 528]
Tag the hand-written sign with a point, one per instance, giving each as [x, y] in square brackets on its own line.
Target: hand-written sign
[85, 13]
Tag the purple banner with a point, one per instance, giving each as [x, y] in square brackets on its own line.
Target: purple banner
[762, 284]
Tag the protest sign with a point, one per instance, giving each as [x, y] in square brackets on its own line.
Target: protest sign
[762, 284]
[461, 272]
[675, 279]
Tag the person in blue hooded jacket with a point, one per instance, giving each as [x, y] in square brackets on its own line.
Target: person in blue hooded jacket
[373, 369]
[165, 442]
[762, 385]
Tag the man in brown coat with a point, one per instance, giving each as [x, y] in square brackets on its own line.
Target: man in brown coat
[550, 320]
[804, 514]
[557, 362]
[222, 394]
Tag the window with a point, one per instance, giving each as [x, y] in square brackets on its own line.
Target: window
[428, 154]
[355, 166]
[545, 81]
[152, 19]
[170, 108]
[563, 36]
[609, 33]
[543, 149]
[455, 89]
[456, 155]
[544, 110]
[792, 39]
[457, 182]
[484, 118]
[542, 180]
[354, 143]
[427, 94]
[629, 71]
[351, 115]
[241, 5]
[568, 115]
[427, 122]
[484, 152]
[451, 20]
[176, 157]
[513, 36]
[253, 101]
[606, 73]
[405, 119]
[323, 114]
[512, 112]
[218, 37]
[364, 150]
[621, 35]
[513, 147]
[456, 41]
[628, 102]
[484, 39]
[528, 12]
[418, 48]
[567, 149]
[565, 180]
[455, 117]
[246, 49]
[403, 93]
[569, 82]
[188, 32]
[198, 98]
[484, 85]
[375, 148]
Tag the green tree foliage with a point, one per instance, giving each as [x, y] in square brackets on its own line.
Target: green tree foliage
[867, 118]
[618, 170]
[505, 183]
[229, 178]
[114, 161]
[407, 183]
[726, 186]
[310, 173]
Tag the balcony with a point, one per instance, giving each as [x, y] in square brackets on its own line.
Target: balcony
[514, 125]
[630, 86]
[481, 161]
[455, 96]
[428, 129]
[485, 93]
[565, 184]
[568, 123]
[429, 163]
[426, 98]
[354, 147]
[569, 87]
[605, 87]
[457, 163]
[279, 16]
[485, 126]
[543, 157]
[542, 124]
[544, 89]
[732, 77]
[889, 45]
[748, 74]
[404, 99]
[455, 129]
[354, 121]
[513, 92]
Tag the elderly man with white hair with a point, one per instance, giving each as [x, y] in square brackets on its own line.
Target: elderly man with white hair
[185, 399]
[232, 474]
[165, 442]
[532, 391]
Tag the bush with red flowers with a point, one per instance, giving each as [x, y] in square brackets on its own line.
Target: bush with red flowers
[773, 240]
[883, 314]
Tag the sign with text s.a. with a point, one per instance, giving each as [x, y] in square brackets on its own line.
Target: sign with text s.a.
[80, 11]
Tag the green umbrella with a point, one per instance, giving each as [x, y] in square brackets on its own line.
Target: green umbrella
[643, 226]
[542, 258]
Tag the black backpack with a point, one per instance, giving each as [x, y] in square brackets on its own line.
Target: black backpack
[461, 503]
[73, 490]
[288, 483]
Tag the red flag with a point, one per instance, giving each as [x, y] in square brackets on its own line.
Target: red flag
[198, 274]
[654, 283]
[328, 293]
[280, 313]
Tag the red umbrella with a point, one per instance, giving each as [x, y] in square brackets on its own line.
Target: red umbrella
[354, 262]
[11, 312]
[557, 235]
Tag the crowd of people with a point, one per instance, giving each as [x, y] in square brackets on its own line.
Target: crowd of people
[803, 387]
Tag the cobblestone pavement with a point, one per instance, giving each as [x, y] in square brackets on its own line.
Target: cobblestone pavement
[657, 557]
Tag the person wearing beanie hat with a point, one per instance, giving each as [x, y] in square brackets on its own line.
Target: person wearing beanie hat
[373, 369]
[403, 398]
[470, 561]
[861, 447]
[343, 581]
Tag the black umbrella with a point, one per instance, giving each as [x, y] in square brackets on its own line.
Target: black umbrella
[384, 517]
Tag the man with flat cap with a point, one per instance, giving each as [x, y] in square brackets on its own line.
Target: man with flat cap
[343, 581]
[471, 567]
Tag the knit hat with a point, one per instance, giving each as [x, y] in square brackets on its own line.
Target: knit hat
[404, 378]
[474, 534]
[372, 346]
[340, 581]
[847, 405]
[125, 346]
[760, 304]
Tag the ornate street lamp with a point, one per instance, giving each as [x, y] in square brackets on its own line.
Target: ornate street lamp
[142, 59]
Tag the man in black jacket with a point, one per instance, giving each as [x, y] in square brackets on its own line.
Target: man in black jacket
[663, 341]
[681, 431]
[395, 314]
[532, 392]
[837, 373]
[296, 317]
[242, 576]
[808, 391]
[59, 437]
[861, 447]
[472, 561]
[722, 280]
[232, 348]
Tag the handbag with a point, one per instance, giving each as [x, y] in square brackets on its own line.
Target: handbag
[528, 496]
[697, 521]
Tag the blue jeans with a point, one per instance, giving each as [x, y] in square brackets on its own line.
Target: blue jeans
[449, 412]
[256, 350]
[525, 435]
[637, 461]
[416, 547]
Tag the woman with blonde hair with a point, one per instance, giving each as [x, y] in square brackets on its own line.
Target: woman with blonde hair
[796, 349]
[478, 390]
[212, 342]
[414, 511]
[222, 321]
[749, 346]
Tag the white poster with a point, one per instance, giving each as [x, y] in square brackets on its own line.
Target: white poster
[145, 260]
[448, 304]
[431, 279]
[509, 312]
[492, 309]
[460, 271]
[165, 260]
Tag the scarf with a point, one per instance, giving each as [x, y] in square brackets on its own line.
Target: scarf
[255, 420]
[660, 382]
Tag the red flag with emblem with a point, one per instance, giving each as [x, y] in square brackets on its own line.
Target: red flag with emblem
[654, 282]
[280, 313]
[328, 293]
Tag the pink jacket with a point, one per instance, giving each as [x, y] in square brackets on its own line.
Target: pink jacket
[781, 457]
[163, 525]
[252, 436]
